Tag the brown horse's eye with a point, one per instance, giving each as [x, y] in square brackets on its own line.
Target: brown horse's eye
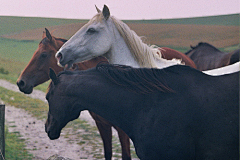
[44, 55]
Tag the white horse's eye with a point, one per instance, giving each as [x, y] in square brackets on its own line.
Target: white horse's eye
[91, 30]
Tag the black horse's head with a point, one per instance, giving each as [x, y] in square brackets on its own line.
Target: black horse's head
[62, 107]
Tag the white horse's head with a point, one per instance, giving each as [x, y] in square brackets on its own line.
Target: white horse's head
[92, 40]
[107, 36]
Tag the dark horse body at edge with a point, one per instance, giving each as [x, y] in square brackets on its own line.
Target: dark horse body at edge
[172, 113]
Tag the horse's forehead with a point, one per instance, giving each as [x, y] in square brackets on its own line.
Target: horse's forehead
[96, 20]
[44, 47]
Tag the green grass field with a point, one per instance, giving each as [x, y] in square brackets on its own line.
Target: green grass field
[15, 147]
[10, 25]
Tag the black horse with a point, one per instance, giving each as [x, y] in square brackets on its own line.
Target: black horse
[207, 57]
[173, 113]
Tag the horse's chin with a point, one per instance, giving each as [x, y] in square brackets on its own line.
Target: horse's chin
[69, 65]
[27, 91]
[53, 136]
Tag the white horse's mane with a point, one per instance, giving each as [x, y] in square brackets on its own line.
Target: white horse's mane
[145, 55]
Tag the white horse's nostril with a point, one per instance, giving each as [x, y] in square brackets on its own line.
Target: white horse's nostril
[59, 59]
[59, 56]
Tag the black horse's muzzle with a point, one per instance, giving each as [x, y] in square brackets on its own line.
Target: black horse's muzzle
[52, 128]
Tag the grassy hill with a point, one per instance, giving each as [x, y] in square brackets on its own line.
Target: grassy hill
[220, 31]
[227, 20]
[11, 25]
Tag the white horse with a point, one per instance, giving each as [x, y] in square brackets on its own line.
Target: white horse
[104, 35]
[107, 36]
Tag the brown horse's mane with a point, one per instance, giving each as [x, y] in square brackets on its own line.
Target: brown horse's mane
[141, 80]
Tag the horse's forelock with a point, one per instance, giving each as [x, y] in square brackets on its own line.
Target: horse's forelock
[44, 41]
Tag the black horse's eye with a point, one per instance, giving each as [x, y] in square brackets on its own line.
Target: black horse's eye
[91, 30]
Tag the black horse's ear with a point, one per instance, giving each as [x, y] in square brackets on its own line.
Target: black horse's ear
[49, 36]
[106, 12]
[53, 76]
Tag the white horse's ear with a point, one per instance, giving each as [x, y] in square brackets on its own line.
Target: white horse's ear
[106, 12]
[98, 10]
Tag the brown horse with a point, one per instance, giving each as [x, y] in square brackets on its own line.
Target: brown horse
[36, 72]
[168, 53]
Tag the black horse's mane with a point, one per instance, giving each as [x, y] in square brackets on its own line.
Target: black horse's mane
[140, 80]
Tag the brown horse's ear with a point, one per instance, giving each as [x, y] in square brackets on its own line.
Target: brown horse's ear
[106, 12]
[53, 76]
[98, 10]
[49, 36]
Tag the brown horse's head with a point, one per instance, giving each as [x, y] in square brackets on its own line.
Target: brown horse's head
[36, 72]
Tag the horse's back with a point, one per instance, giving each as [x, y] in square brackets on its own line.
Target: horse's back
[234, 57]
[207, 57]
[169, 54]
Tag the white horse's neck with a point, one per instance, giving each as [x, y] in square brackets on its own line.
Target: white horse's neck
[119, 52]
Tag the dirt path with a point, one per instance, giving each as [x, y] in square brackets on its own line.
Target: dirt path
[32, 130]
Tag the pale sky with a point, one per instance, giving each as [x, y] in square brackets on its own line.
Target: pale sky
[121, 9]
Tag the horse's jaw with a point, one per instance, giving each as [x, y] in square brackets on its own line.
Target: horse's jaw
[67, 57]
[52, 128]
